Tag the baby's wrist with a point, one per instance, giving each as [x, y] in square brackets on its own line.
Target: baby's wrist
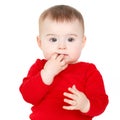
[87, 106]
[46, 77]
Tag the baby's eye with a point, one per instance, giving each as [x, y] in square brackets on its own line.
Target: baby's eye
[71, 39]
[53, 39]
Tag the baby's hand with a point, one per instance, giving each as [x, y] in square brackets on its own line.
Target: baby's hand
[77, 100]
[53, 66]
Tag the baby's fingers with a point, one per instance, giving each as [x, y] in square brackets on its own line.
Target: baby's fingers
[54, 56]
[60, 58]
[69, 95]
[74, 90]
[71, 102]
[71, 107]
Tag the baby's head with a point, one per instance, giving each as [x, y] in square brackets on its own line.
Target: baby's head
[61, 13]
[61, 31]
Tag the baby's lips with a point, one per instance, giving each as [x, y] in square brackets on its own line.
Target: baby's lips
[62, 54]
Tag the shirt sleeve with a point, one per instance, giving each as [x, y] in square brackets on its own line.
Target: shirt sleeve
[32, 88]
[95, 91]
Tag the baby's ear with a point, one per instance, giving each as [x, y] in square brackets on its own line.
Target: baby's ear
[38, 41]
[83, 41]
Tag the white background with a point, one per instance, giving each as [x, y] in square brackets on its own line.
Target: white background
[19, 50]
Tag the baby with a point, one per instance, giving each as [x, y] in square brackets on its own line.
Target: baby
[59, 86]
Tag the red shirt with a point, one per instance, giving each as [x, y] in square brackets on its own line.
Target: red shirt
[47, 100]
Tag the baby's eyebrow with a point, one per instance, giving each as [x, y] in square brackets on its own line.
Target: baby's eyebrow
[50, 34]
[75, 35]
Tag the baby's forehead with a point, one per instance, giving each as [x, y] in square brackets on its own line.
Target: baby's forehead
[59, 19]
[53, 23]
[49, 19]
[61, 28]
[61, 22]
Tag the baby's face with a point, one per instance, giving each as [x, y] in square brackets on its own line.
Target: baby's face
[65, 38]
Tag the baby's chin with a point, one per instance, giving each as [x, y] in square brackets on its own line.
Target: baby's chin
[70, 61]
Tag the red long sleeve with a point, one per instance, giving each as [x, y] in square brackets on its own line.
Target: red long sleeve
[48, 100]
[33, 89]
[95, 91]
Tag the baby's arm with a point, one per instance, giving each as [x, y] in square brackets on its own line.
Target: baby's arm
[94, 100]
[53, 67]
[36, 84]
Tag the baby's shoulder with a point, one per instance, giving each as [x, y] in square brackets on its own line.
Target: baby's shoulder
[86, 64]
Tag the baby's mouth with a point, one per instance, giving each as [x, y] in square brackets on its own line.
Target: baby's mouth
[62, 54]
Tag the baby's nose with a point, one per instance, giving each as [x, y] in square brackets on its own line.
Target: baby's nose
[62, 45]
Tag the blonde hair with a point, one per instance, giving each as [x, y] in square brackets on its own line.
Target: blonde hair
[61, 13]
